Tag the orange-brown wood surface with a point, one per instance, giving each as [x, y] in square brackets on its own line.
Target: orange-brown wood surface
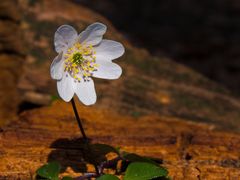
[158, 108]
[188, 150]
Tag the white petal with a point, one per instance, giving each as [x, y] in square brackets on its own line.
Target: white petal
[66, 87]
[93, 34]
[107, 70]
[64, 36]
[86, 92]
[108, 49]
[56, 68]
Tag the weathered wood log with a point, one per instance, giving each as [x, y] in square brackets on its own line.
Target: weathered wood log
[158, 108]
[149, 85]
[188, 150]
[11, 58]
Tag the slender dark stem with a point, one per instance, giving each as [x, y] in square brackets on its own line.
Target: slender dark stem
[99, 169]
[79, 120]
[86, 176]
[107, 164]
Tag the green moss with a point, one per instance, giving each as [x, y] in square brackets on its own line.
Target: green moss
[44, 28]
[55, 97]
[157, 67]
[136, 94]
[136, 114]
[47, 28]
[194, 102]
[219, 111]
[191, 101]
[33, 2]
[166, 69]
[39, 54]
[137, 84]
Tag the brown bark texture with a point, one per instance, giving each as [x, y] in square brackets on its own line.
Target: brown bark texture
[158, 108]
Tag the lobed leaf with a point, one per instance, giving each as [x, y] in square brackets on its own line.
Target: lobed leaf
[136, 158]
[49, 171]
[108, 177]
[144, 171]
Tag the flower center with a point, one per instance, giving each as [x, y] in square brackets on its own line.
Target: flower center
[78, 58]
[80, 62]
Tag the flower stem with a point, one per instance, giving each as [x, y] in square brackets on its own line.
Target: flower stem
[107, 164]
[86, 176]
[78, 120]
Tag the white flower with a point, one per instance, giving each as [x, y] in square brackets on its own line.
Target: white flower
[81, 57]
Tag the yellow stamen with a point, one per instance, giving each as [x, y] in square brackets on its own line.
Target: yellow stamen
[80, 61]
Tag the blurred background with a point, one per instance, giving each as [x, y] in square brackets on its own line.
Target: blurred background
[177, 99]
[204, 34]
[182, 56]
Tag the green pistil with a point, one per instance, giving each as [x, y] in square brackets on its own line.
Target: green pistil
[77, 58]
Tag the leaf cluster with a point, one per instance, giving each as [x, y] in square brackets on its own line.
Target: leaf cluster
[133, 167]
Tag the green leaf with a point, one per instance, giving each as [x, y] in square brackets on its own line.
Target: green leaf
[49, 171]
[67, 178]
[108, 177]
[136, 158]
[118, 149]
[54, 97]
[144, 171]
